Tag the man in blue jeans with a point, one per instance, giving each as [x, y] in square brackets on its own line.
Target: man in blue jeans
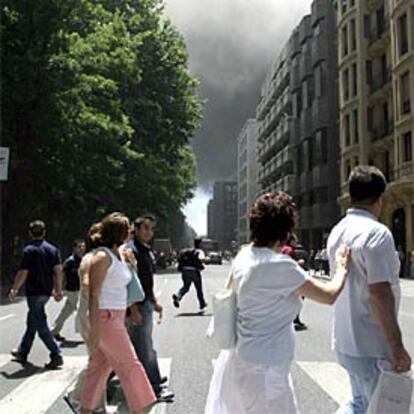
[365, 329]
[41, 273]
[141, 335]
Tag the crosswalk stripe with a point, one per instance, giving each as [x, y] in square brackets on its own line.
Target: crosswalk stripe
[3, 318]
[165, 369]
[331, 377]
[44, 388]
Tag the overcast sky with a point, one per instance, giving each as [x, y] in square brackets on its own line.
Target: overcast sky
[231, 44]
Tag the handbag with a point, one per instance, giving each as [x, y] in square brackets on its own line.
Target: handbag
[135, 292]
[393, 392]
[223, 325]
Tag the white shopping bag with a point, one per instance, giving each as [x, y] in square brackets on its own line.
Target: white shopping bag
[222, 327]
[393, 393]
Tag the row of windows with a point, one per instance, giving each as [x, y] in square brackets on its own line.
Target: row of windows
[350, 130]
[349, 82]
[313, 151]
[348, 38]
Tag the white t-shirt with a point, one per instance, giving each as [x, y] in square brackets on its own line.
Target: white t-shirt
[373, 260]
[114, 288]
[267, 305]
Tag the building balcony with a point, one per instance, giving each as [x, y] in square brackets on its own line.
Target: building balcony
[305, 28]
[319, 50]
[319, 9]
[305, 65]
[405, 172]
[380, 81]
[382, 131]
[379, 38]
[320, 113]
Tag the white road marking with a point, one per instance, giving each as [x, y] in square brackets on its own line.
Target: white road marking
[37, 394]
[3, 318]
[331, 377]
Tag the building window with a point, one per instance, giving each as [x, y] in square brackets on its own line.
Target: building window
[353, 35]
[344, 41]
[368, 71]
[354, 80]
[407, 147]
[347, 169]
[405, 93]
[343, 6]
[321, 141]
[356, 133]
[402, 35]
[320, 79]
[345, 84]
[356, 161]
[367, 26]
[370, 118]
[352, 3]
[347, 131]
[304, 94]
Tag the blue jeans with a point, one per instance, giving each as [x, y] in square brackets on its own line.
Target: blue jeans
[37, 322]
[141, 337]
[363, 374]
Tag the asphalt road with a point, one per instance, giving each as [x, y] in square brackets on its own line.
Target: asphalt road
[184, 352]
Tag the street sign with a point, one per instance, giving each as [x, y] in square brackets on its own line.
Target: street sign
[4, 163]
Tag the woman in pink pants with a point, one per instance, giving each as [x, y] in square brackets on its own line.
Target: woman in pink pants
[111, 349]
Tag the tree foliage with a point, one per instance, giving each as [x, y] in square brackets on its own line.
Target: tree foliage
[98, 108]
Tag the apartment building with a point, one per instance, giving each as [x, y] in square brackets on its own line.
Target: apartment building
[376, 100]
[298, 138]
[246, 177]
[222, 214]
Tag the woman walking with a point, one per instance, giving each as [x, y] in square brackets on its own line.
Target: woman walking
[109, 343]
[254, 377]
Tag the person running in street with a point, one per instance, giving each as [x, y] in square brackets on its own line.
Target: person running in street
[254, 376]
[190, 266]
[71, 272]
[41, 273]
[141, 335]
[365, 324]
[109, 343]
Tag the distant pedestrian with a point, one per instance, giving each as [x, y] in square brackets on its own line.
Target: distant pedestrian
[365, 324]
[254, 376]
[41, 273]
[190, 266]
[71, 273]
[141, 335]
[109, 343]
[401, 256]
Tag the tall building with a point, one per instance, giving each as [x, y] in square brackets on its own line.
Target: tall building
[298, 139]
[222, 214]
[247, 177]
[376, 69]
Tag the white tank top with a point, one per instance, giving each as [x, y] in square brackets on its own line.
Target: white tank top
[114, 288]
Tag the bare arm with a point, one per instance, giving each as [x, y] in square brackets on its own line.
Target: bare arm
[327, 293]
[97, 273]
[58, 271]
[382, 303]
[18, 283]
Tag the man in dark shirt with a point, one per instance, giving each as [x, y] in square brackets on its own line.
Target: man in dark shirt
[141, 335]
[71, 272]
[41, 272]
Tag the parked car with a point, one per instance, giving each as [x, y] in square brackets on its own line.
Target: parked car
[214, 258]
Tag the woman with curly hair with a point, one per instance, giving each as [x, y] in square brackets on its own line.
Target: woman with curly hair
[254, 376]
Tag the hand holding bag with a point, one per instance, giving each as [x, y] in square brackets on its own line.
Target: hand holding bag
[135, 292]
[223, 324]
[393, 393]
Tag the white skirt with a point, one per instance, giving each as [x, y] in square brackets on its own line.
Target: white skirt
[240, 387]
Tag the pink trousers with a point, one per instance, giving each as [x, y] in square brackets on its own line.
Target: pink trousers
[116, 353]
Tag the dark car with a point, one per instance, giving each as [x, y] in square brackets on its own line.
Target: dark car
[302, 256]
[215, 258]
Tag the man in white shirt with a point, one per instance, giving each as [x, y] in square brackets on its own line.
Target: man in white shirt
[365, 328]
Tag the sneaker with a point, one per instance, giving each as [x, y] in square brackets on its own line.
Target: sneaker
[18, 357]
[176, 300]
[203, 307]
[300, 326]
[54, 363]
[59, 337]
[164, 380]
[165, 395]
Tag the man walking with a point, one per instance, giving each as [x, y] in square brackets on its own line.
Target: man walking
[190, 266]
[141, 335]
[71, 272]
[41, 272]
[365, 328]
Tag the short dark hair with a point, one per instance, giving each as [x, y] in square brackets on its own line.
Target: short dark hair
[272, 219]
[78, 241]
[142, 219]
[37, 228]
[366, 184]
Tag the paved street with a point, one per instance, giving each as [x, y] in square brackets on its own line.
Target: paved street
[185, 355]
